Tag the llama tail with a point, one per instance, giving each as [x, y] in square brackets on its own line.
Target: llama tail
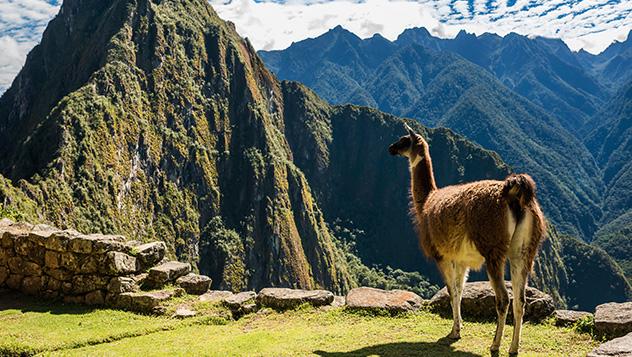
[519, 191]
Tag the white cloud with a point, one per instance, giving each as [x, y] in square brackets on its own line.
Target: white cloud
[22, 23]
[588, 24]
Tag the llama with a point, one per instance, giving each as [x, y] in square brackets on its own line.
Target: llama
[461, 227]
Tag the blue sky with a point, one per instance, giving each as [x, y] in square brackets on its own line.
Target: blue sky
[588, 24]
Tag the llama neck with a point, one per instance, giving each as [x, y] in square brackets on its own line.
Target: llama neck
[422, 182]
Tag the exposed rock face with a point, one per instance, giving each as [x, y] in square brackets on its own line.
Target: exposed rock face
[569, 317]
[619, 347]
[479, 302]
[613, 319]
[194, 284]
[389, 300]
[282, 298]
[156, 119]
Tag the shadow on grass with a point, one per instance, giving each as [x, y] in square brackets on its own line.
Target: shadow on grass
[443, 347]
[11, 300]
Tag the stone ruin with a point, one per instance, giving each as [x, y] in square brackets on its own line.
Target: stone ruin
[93, 269]
[108, 270]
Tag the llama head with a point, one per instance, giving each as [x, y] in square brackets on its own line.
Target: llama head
[412, 146]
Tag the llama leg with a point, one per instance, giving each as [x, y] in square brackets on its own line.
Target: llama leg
[448, 270]
[518, 284]
[495, 272]
[459, 283]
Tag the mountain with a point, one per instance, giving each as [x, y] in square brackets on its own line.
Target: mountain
[613, 66]
[545, 71]
[441, 88]
[611, 142]
[154, 119]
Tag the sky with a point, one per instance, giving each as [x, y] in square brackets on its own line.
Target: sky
[588, 24]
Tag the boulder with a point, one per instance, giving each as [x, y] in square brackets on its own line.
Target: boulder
[183, 313]
[394, 301]
[215, 296]
[167, 272]
[146, 301]
[619, 347]
[95, 298]
[283, 298]
[118, 285]
[613, 319]
[118, 263]
[150, 254]
[569, 317]
[194, 284]
[241, 303]
[479, 302]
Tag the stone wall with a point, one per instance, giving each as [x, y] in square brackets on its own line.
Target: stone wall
[94, 269]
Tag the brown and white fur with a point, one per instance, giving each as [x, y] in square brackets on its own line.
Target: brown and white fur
[461, 227]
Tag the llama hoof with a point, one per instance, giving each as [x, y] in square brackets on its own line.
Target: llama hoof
[513, 353]
[454, 335]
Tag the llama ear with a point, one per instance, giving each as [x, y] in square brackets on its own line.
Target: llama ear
[410, 131]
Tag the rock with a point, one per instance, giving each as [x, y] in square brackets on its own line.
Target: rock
[619, 347]
[282, 298]
[613, 319]
[82, 284]
[183, 313]
[118, 263]
[70, 299]
[215, 296]
[4, 274]
[194, 284]
[146, 301]
[479, 302]
[339, 301]
[95, 298]
[31, 269]
[150, 254]
[80, 244]
[118, 285]
[569, 317]
[52, 259]
[14, 281]
[365, 298]
[241, 303]
[169, 271]
[32, 285]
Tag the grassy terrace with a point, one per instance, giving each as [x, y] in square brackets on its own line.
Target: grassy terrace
[30, 327]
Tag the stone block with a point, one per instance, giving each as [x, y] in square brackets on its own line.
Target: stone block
[118, 285]
[52, 259]
[96, 297]
[32, 285]
[167, 272]
[80, 244]
[149, 254]
[4, 274]
[14, 281]
[282, 298]
[118, 263]
[194, 284]
[31, 269]
[393, 301]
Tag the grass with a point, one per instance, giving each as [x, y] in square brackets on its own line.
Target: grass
[61, 330]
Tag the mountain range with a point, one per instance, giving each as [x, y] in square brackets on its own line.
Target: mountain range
[156, 120]
[562, 116]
